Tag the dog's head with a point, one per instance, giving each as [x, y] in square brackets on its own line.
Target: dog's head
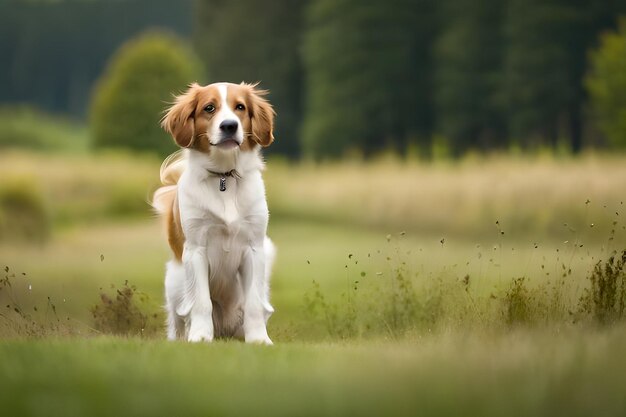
[221, 116]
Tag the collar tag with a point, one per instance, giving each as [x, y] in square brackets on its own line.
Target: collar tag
[223, 175]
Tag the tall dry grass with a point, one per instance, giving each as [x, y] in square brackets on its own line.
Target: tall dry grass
[526, 195]
[85, 187]
[536, 197]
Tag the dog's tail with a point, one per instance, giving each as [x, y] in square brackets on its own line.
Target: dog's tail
[171, 170]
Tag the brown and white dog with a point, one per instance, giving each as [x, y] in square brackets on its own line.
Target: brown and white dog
[215, 211]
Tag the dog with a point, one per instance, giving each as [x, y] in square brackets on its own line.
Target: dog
[215, 213]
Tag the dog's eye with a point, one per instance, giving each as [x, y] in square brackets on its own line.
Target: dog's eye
[210, 108]
[240, 107]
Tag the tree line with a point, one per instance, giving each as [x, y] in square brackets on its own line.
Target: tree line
[366, 75]
[52, 52]
[346, 75]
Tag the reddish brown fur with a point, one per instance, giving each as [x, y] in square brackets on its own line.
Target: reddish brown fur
[188, 123]
[175, 235]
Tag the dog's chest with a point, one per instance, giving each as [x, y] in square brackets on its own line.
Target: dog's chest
[230, 225]
[229, 218]
[226, 201]
[232, 212]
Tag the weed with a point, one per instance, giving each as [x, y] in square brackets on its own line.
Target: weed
[315, 304]
[388, 304]
[125, 313]
[392, 306]
[348, 326]
[605, 299]
[399, 303]
[518, 303]
[16, 320]
[404, 309]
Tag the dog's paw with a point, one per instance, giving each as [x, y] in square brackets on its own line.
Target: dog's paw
[260, 338]
[200, 334]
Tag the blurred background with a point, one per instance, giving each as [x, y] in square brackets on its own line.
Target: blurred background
[484, 137]
[345, 76]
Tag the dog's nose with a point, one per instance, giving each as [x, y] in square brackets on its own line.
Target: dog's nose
[229, 126]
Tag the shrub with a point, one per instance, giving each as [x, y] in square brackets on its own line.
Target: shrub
[23, 213]
[130, 97]
[606, 84]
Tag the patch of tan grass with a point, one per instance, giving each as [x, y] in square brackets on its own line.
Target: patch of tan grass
[80, 187]
[536, 196]
[529, 195]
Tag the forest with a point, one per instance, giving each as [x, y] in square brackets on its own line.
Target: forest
[346, 77]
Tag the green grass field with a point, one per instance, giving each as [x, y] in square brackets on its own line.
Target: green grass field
[520, 373]
[380, 309]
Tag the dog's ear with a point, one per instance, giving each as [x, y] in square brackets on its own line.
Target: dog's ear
[179, 118]
[262, 117]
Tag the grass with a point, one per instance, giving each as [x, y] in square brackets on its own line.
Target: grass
[527, 196]
[84, 188]
[520, 373]
[79, 262]
[23, 213]
[536, 198]
[31, 128]
[379, 310]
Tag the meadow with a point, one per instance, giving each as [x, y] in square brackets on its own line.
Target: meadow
[402, 287]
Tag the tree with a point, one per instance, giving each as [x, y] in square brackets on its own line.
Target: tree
[606, 84]
[368, 72]
[539, 80]
[545, 64]
[265, 48]
[130, 97]
[468, 62]
[53, 51]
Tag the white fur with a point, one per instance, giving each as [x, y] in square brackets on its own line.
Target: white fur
[221, 288]
[225, 113]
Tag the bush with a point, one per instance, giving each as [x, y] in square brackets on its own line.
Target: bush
[606, 85]
[130, 97]
[23, 213]
[126, 313]
[25, 127]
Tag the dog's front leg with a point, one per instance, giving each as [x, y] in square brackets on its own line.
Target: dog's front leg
[197, 294]
[256, 306]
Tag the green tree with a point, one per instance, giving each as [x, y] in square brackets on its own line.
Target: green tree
[131, 95]
[606, 84]
[539, 80]
[547, 43]
[251, 40]
[53, 51]
[368, 75]
[468, 62]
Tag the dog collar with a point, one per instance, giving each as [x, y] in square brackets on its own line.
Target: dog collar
[232, 173]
